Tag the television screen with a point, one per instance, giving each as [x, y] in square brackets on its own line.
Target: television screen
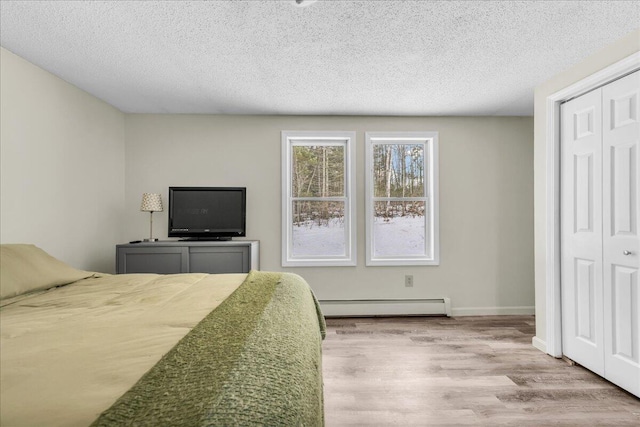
[207, 212]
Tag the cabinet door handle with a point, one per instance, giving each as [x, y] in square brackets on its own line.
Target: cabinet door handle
[627, 252]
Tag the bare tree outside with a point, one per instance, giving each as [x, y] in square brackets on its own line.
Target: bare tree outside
[399, 204]
[318, 189]
[398, 172]
[318, 198]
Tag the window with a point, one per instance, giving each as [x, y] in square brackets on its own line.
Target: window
[318, 209]
[402, 198]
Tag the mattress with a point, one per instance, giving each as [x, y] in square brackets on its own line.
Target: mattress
[67, 354]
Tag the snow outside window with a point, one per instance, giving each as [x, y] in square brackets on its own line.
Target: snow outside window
[318, 211]
[402, 198]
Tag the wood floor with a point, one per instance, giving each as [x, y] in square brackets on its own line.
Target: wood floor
[478, 371]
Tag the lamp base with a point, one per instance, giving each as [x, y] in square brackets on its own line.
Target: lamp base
[149, 240]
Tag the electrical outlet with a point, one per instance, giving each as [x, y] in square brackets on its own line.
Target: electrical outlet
[408, 281]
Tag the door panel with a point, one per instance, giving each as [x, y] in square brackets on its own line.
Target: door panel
[581, 235]
[621, 243]
[585, 300]
[623, 190]
[624, 309]
[583, 185]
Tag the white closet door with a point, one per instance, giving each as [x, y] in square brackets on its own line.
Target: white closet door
[581, 231]
[621, 241]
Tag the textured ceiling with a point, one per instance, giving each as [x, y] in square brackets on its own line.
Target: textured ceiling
[328, 58]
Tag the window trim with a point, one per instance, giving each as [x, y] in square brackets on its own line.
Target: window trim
[430, 139]
[349, 259]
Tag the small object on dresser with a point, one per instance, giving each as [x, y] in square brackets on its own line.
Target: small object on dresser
[151, 202]
[136, 241]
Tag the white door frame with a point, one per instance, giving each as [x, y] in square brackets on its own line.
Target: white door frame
[552, 212]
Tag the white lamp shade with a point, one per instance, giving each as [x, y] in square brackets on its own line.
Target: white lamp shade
[151, 202]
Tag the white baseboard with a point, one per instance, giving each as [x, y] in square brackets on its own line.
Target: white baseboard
[539, 344]
[390, 307]
[493, 311]
[413, 307]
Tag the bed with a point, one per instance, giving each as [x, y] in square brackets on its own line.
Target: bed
[79, 348]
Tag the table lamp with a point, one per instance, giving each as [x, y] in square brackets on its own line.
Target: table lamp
[151, 202]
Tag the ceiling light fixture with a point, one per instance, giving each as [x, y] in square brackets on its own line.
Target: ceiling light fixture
[304, 3]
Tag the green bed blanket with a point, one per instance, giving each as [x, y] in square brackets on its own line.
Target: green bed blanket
[254, 360]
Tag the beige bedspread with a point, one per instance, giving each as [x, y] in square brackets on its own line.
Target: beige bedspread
[53, 371]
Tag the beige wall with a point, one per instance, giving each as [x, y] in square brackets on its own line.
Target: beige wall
[66, 157]
[486, 198]
[62, 166]
[617, 51]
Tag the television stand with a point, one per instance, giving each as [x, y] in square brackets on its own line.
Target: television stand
[172, 257]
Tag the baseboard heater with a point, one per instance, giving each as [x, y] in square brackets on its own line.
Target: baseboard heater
[386, 307]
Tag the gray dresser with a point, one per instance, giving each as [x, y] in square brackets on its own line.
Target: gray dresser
[170, 257]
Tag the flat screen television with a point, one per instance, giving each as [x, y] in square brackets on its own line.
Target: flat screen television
[207, 213]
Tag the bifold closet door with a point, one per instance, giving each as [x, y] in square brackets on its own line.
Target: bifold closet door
[621, 241]
[600, 243]
[581, 231]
